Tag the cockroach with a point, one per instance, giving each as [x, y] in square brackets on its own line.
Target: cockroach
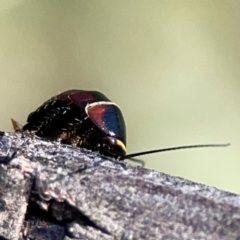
[86, 119]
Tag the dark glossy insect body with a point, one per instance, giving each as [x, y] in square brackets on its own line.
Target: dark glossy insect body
[85, 118]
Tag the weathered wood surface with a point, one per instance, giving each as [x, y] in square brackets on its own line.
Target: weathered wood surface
[51, 191]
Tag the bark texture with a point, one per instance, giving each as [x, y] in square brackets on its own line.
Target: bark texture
[51, 191]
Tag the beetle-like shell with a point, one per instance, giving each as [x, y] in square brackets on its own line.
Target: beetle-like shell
[85, 118]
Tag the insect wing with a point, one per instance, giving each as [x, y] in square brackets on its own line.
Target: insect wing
[81, 98]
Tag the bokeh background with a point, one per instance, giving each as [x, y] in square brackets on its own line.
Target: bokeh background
[172, 66]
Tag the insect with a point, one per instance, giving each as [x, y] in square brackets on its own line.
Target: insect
[86, 119]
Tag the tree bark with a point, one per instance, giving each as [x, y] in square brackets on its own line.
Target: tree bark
[54, 191]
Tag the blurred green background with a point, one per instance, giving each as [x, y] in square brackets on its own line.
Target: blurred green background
[172, 66]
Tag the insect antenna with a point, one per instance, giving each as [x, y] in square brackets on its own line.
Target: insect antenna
[132, 159]
[133, 155]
